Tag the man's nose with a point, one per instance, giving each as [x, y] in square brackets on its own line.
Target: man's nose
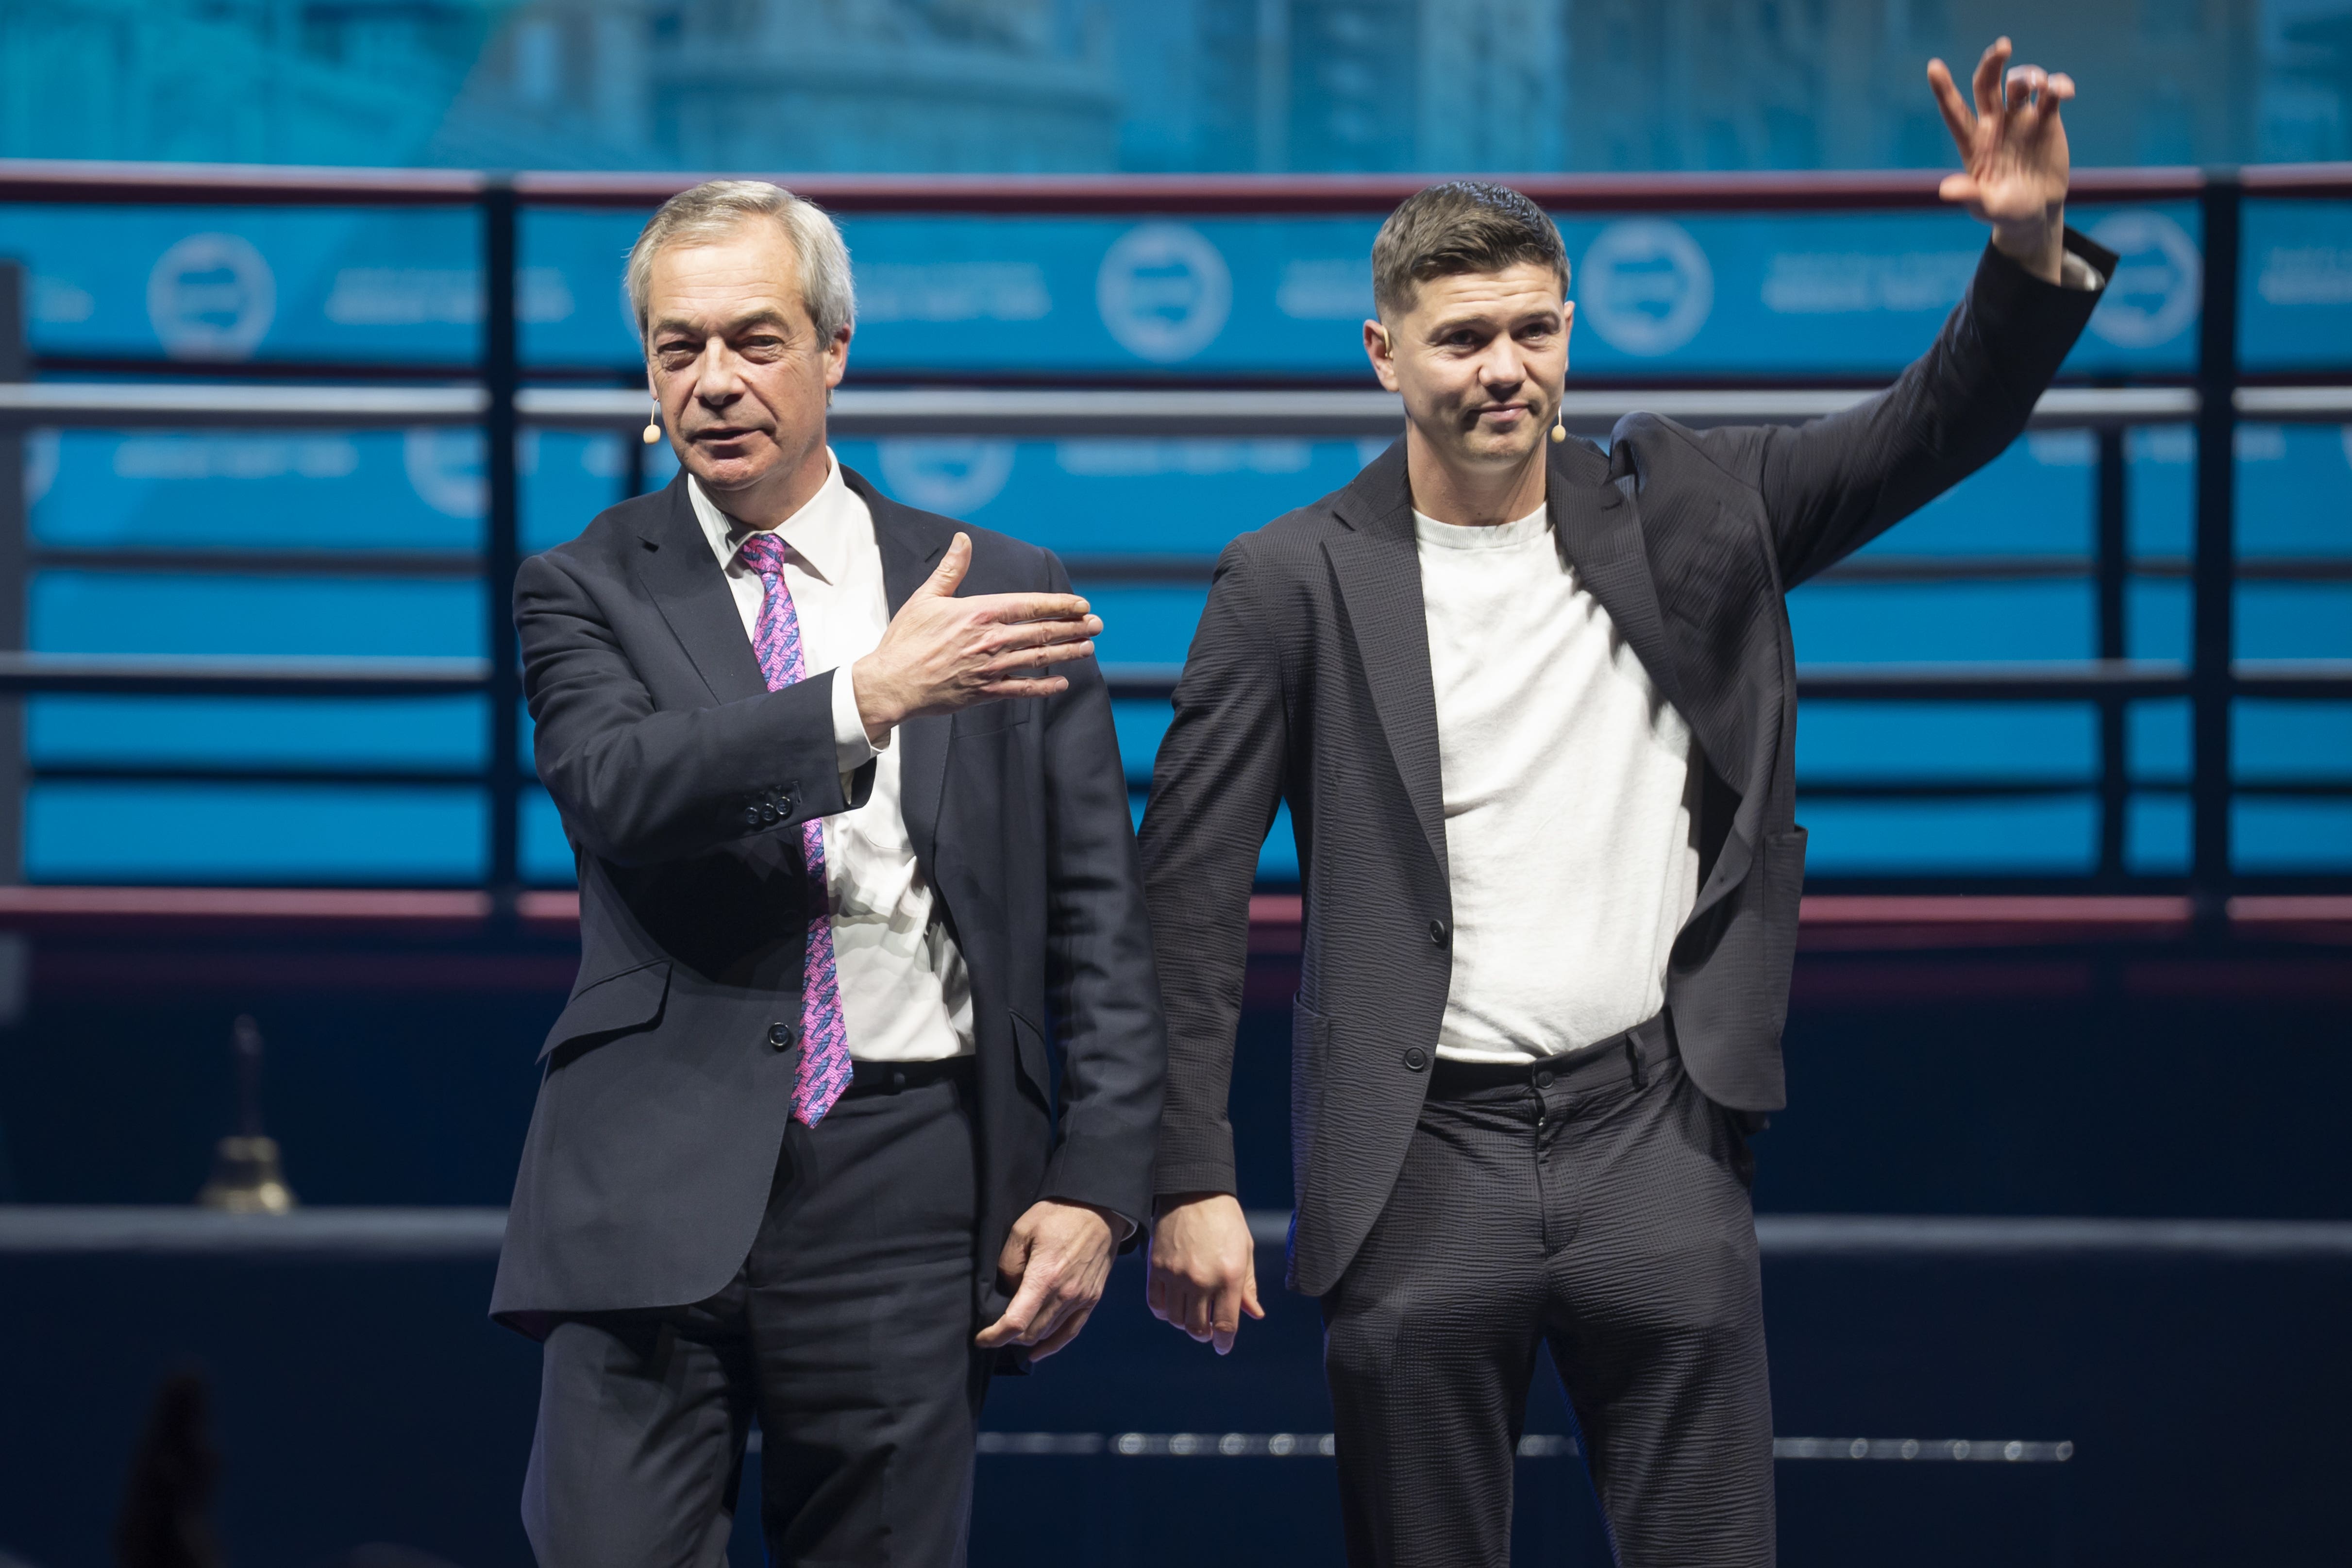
[1502, 367]
[720, 379]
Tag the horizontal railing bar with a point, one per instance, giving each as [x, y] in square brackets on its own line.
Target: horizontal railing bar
[2055, 680]
[96, 182]
[256, 774]
[136, 405]
[215, 675]
[1199, 569]
[390, 1234]
[972, 411]
[103, 183]
[2294, 402]
[334, 676]
[232, 560]
[1106, 569]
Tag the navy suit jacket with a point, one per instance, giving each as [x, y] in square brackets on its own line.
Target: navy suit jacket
[683, 781]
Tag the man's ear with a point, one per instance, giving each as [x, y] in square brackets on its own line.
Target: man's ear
[1380, 351]
[836, 357]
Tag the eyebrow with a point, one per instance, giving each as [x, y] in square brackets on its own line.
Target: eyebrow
[756, 319]
[1444, 324]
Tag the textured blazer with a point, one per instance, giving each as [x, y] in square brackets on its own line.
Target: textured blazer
[683, 781]
[1308, 681]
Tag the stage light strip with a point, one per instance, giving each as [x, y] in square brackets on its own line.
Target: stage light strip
[1535, 1445]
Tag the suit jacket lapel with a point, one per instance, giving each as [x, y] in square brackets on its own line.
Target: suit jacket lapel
[911, 545]
[1599, 525]
[692, 593]
[1378, 567]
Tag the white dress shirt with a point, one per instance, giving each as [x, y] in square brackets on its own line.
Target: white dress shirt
[904, 994]
[1568, 783]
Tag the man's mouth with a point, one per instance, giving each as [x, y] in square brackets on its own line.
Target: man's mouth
[1500, 411]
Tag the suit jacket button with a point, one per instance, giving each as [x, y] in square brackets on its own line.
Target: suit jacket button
[1437, 932]
[769, 813]
[750, 816]
[782, 1034]
[1415, 1058]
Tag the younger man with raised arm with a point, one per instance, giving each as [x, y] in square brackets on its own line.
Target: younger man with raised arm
[1532, 706]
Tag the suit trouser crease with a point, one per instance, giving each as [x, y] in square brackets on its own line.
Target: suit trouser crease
[846, 1334]
[1605, 1211]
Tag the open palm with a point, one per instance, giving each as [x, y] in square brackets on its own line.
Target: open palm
[2013, 147]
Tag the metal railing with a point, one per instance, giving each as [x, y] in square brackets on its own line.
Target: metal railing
[492, 396]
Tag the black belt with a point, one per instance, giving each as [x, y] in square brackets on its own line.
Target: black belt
[1637, 1054]
[891, 1077]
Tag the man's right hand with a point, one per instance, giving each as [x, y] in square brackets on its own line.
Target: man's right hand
[1204, 1273]
[941, 653]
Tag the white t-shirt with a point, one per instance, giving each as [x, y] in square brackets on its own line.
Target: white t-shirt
[1571, 790]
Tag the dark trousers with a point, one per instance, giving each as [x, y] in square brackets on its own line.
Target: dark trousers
[847, 1334]
[1598, 1203]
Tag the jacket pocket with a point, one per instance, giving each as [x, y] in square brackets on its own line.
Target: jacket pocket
[1029, 1055]
[986, 718]
[619, 1004]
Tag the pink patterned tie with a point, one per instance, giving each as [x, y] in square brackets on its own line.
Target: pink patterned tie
[825, 1054]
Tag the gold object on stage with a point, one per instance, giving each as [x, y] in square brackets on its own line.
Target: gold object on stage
[248, 1177]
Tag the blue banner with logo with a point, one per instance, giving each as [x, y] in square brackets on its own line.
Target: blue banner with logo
[2295, 311]
[1804, 294]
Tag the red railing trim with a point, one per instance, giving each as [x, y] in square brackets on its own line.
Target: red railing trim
[101, 182]
[367, 905]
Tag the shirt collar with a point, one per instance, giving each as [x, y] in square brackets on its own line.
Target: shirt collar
[816, 533]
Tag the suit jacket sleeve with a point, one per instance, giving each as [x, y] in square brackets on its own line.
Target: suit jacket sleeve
[1832, 486]
[1221, 772]
[641, 786]
[1099, 974]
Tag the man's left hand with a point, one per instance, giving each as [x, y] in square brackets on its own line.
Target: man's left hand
[2012, 156]
[1056, 1262]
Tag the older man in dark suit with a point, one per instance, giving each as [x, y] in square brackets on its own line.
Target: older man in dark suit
[1532, 706]
[854, 846]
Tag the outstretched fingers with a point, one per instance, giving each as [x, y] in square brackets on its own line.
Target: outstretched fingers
[1957, 118]
[1986, 83]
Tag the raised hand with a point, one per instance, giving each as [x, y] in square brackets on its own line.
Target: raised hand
[941, 653]
[2013, 163]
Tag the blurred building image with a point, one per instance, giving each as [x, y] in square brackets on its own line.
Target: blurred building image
[1014, 86]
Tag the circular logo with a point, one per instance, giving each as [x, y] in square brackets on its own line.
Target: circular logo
[1163, 291]
[950, 476]
[1645, 287]
[211, 296]
[40, 463]
[444, 470]
[2159, 277]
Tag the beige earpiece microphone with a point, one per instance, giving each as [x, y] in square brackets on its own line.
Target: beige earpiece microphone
[653, 424]
[1560, 419]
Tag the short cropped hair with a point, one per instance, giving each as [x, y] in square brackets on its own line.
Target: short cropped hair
[716, 209]
[1462, 225]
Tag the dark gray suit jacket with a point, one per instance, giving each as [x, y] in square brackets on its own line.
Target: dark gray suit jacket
[682, 781]
[1308, 681]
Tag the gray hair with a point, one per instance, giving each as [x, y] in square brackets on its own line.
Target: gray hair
[716, 209]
